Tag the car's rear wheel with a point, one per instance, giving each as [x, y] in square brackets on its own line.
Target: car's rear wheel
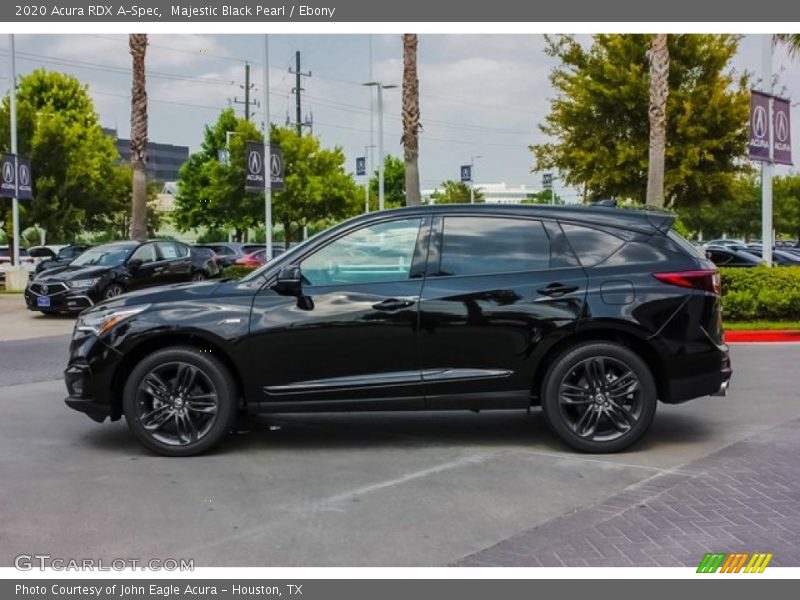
[179, 401]
[599, 397]
[113, 290]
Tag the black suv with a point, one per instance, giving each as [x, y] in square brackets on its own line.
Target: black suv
[592, 313]
[106, 271]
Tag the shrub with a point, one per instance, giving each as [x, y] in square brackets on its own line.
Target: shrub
[761, 294]
[237, 271]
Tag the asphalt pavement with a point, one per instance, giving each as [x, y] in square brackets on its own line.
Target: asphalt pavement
[410, 489]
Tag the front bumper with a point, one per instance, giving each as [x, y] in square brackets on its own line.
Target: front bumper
[89, 378]
[59, 298]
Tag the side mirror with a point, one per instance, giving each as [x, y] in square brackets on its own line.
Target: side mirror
[289, 281]
[135, 264]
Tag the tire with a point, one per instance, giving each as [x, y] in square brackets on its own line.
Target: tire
[609, 380]
[112, 291]
[198, 276]
[172, 420]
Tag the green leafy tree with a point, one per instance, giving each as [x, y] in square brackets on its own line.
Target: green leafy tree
[544, 197]
[394, 182]
[786, 192]
[455, 192]
[73, 162]
[317, 186]
[211, 193]
[598, 118]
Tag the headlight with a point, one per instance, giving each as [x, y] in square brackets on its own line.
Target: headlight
[83, 283]
[101, 321]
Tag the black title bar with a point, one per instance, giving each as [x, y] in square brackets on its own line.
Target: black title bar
[441, 11]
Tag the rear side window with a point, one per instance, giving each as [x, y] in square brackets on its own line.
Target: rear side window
[473, 245]
[591, 245]
[685, 244]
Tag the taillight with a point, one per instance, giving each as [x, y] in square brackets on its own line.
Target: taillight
[707, 280]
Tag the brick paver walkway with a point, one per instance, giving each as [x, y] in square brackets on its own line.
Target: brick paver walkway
[743, 498]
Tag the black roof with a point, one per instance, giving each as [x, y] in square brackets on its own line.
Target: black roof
[628, 218]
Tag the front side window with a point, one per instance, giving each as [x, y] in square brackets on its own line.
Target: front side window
[373, 254]
[474, 245]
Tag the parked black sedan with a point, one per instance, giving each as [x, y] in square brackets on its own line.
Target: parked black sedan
[592, 313]
[109, 270]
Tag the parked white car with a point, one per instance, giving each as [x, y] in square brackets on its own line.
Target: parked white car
[26, 261]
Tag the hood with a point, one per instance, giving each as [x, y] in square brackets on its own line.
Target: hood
[69, 273]
[167, 294]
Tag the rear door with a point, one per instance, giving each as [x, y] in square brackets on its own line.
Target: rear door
[176, 265]
[494, 287]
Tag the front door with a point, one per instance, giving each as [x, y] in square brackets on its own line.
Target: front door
[494, 287]
[350, 341]
[148, 272]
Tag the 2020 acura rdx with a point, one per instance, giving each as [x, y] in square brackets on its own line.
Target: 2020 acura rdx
[592, 313]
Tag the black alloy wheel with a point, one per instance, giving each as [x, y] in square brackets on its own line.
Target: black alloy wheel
[599, 397]
[179, 401]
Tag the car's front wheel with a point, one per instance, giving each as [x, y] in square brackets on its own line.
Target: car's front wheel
[599, 397]
[180, 401]
[198, 276]
[113, 290]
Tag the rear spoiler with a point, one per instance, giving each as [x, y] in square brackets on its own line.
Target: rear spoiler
[661, 219]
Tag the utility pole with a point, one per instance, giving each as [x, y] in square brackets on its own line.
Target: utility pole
[766, 166]
[13, 111]
[381, 174]
[267, 156]
[472, 178]
[247, 87]
[297, 91]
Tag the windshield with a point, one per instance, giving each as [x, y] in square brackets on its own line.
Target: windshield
[112, 255]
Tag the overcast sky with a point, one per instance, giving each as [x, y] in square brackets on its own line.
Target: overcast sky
[479, 95]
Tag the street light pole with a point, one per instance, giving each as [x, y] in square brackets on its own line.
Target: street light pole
[766, 166]
[13, 112]
[267, 156]
[381, 172]
[472, 177]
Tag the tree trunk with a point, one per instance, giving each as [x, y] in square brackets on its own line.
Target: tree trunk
[287, 234]
[659, 90]
[138, 46]
[411, 118]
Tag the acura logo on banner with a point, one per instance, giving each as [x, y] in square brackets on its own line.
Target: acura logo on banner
[254, 177]
[770, 129]
[16, 180]
[466, 172]
[781, 125]
[759, 126]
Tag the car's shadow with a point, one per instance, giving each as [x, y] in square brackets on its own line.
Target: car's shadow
[372, 431]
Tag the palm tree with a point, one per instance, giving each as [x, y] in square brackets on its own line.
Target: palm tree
[137, 43]
[411, 118]
[791, 40]
[659, 90]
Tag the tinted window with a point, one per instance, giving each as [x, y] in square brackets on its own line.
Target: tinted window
[718, 258]
[591, 245]
[472, 245]
[380, 252]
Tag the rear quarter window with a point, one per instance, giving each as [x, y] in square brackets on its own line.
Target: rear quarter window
[592, 246]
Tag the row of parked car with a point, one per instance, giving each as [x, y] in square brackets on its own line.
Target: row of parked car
[737, 253]
[68, 279]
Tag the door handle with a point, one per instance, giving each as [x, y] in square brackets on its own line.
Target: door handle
[557, 289]
[393, 304]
